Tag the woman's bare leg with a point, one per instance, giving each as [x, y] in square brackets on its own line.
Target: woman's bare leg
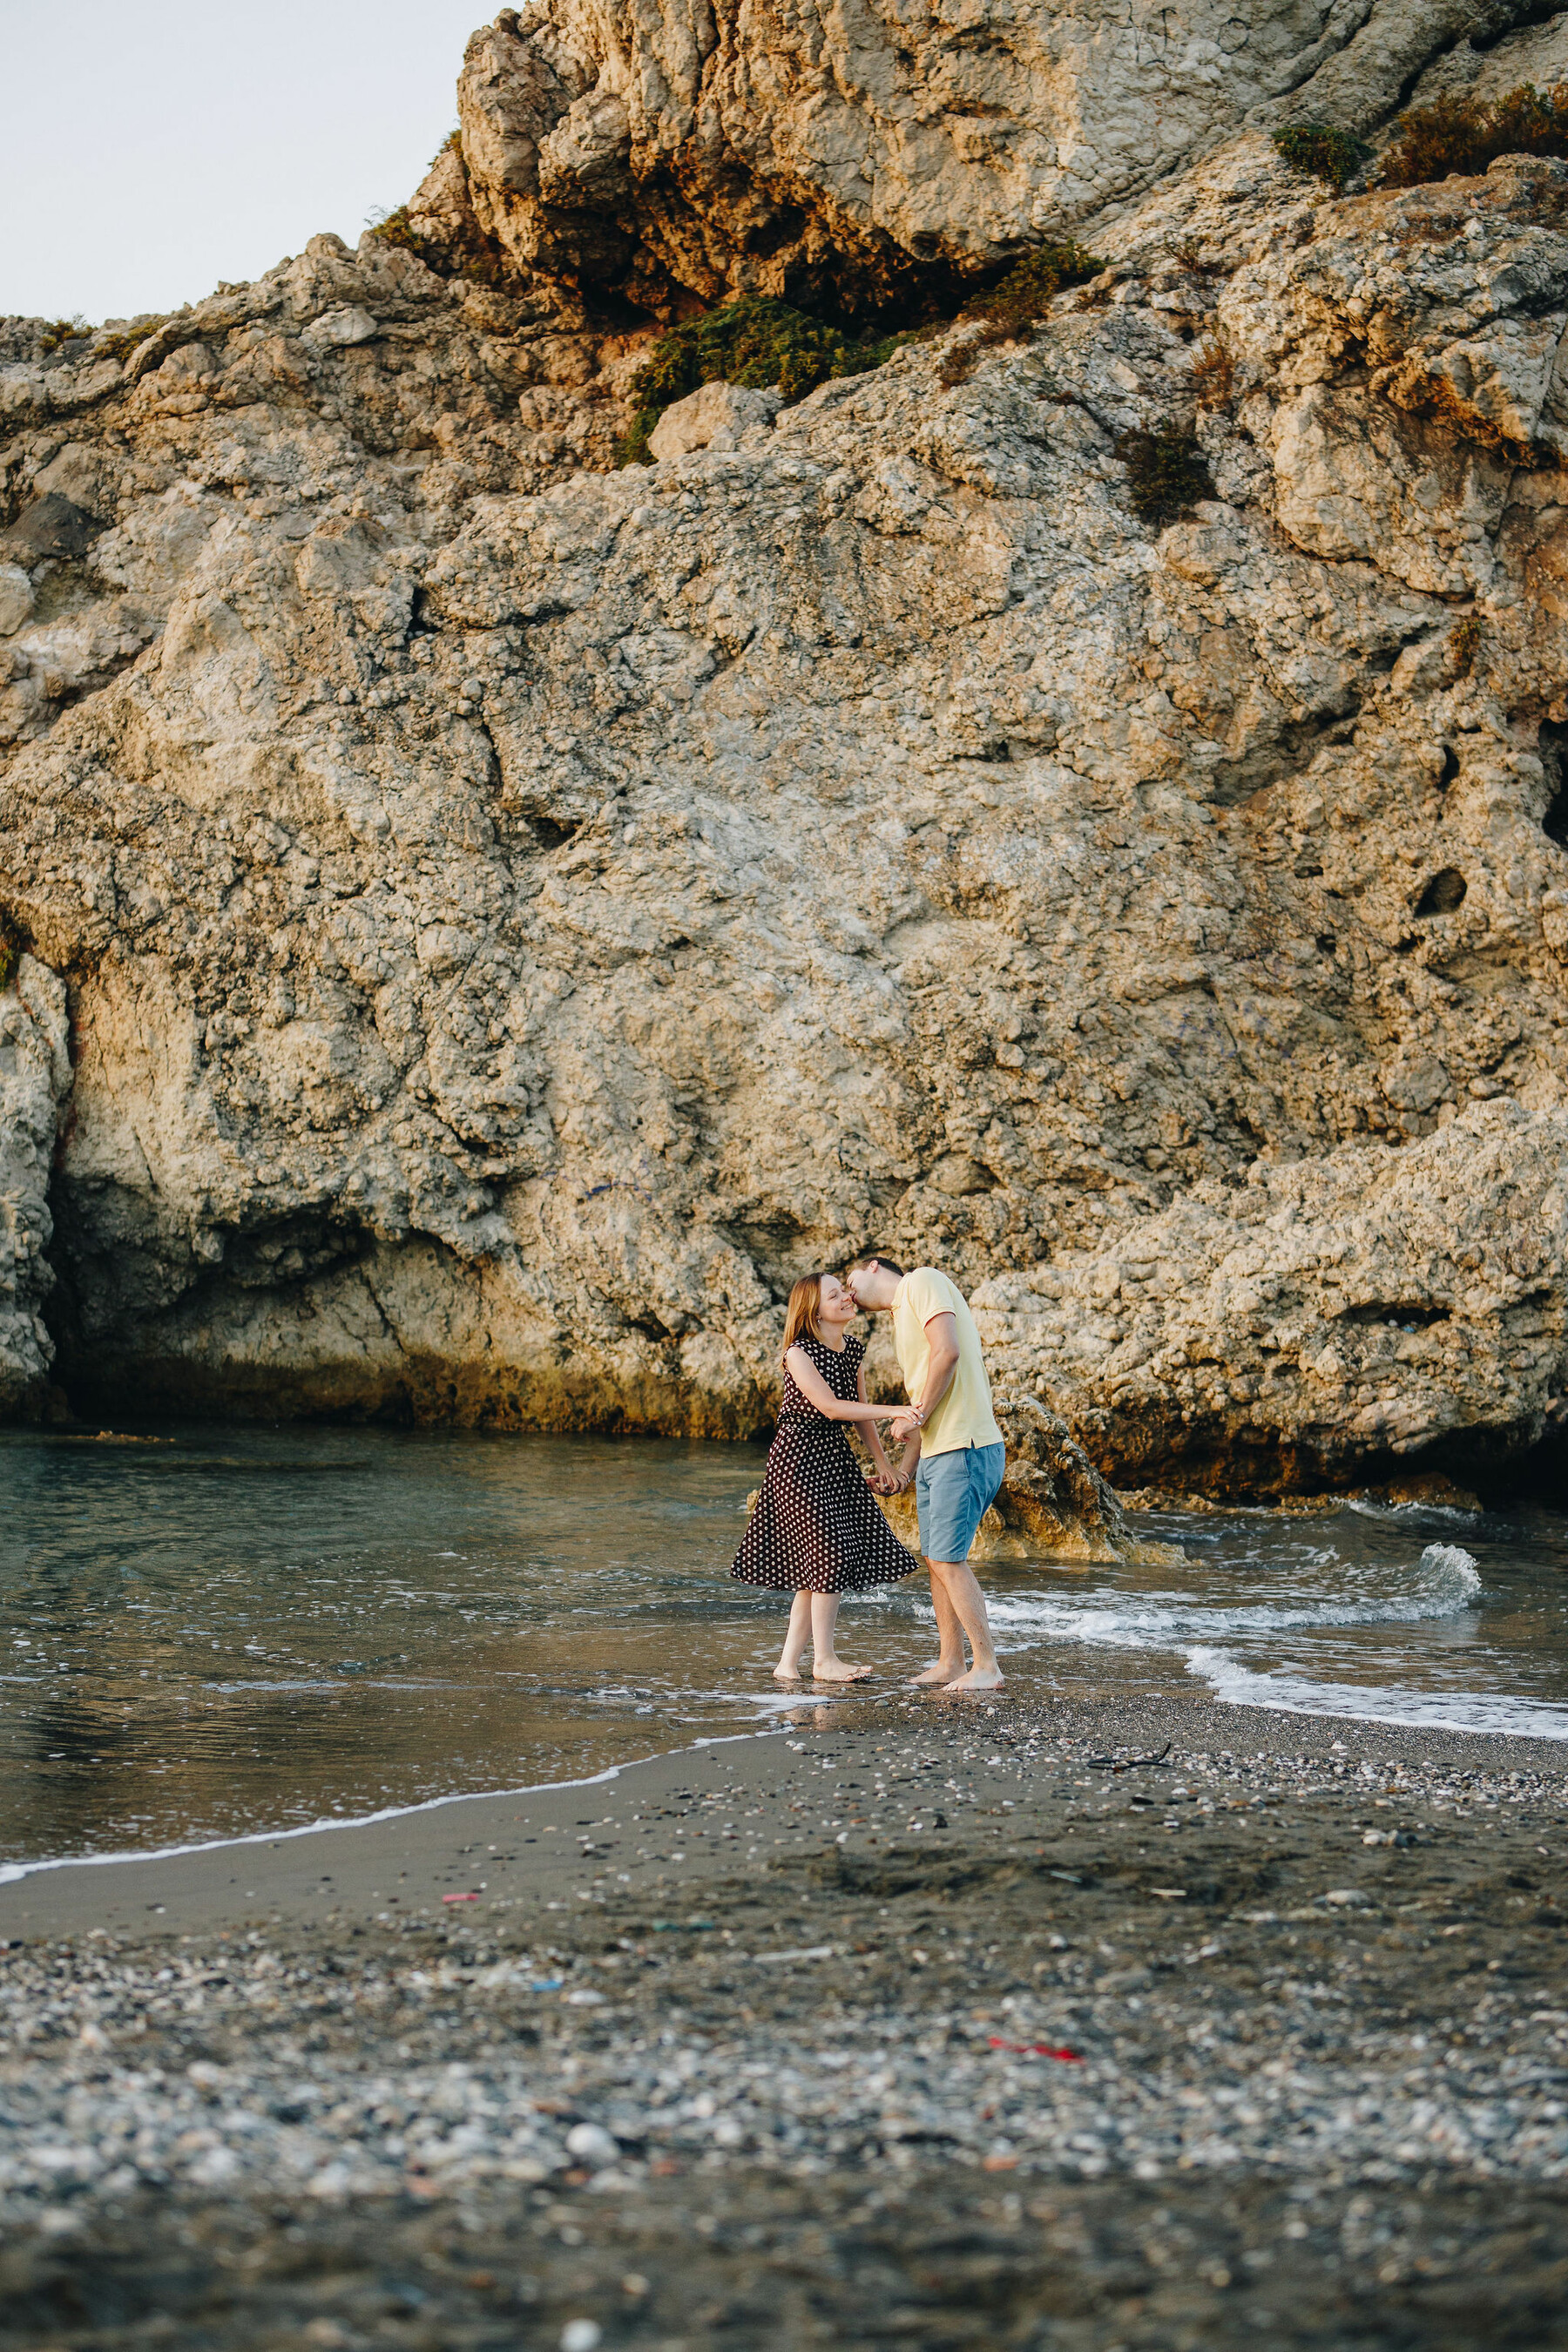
[827, 1665]
[796, 1638]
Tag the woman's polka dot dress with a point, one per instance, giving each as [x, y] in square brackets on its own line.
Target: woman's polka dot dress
[816, 1527]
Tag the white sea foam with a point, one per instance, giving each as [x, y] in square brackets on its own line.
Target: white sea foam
[1449, 1710]
[1446, 1582]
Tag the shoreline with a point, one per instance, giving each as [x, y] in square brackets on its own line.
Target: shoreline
[414, 1851]
[411, 1834]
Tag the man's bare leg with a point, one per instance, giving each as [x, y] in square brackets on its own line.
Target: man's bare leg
[796, 1638]
[950, 1638]
[827, 1665]
[968, 1606]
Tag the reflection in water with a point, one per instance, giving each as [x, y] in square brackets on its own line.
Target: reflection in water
[254, 1629]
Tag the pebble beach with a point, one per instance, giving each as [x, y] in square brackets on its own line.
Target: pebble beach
[911, 2021]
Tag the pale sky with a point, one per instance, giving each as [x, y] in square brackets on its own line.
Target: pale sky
[154, 147]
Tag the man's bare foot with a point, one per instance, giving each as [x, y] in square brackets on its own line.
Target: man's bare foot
[785, 1675]
[839, 1673]
[937, 1674]
[978, 1678]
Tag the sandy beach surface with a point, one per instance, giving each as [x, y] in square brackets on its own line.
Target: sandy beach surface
[917, 2021]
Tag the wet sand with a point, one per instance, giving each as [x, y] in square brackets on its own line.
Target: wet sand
[912, 2023]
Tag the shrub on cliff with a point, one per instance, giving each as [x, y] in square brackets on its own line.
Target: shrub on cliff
[755, 340]
[1329, 155]
[1167, 474]
[465, 252]
[13, 947]
[1459, 137]
[1214, 374]
[469, 253]
[1024, 294]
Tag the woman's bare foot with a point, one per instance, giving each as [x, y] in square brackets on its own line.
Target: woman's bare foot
[838, 1671]
[978, 1678]
[785, 1675]
[940, 1672]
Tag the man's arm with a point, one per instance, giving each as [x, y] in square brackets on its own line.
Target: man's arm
[941, 1336]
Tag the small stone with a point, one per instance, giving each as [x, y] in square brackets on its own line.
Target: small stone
[581, 2336]
[716, 416]
[590, 2143]
[342, 327]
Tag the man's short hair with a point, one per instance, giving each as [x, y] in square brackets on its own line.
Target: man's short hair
[875, 1257]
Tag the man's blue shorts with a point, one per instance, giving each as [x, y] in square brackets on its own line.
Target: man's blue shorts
[952, 1494]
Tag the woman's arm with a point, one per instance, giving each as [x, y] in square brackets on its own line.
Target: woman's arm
[887, 1478]
[813, 1387]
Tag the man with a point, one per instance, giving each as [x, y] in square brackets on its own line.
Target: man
[958, 1454]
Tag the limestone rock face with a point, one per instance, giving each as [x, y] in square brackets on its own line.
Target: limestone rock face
[661, 144]
[35, 1081]
[516, 914]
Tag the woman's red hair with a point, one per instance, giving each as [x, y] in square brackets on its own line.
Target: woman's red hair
[804, 1306]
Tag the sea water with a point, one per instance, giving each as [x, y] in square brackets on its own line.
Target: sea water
[225, 1630]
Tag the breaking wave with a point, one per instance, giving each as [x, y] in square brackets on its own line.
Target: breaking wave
[1289, 1693]
[1446, 1582]
[1206, 1633]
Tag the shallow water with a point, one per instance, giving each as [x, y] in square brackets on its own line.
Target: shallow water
[242, 1630]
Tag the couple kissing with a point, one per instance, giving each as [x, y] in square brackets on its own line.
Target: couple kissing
[817, 1531]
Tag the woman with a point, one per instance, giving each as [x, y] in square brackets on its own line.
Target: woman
[817, 1530]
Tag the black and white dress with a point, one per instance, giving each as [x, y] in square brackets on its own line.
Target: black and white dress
[816, 1527]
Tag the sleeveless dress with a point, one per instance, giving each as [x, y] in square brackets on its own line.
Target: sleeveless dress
[816, 1527]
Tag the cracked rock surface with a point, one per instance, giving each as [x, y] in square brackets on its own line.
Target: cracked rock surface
[517, 913]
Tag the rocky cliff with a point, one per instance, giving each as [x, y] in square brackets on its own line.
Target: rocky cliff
[516, 911]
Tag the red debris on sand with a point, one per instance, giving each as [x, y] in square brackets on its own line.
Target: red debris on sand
[460, 1898]
[1035, 2050]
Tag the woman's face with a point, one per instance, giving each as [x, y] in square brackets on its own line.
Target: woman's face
[834, 1304]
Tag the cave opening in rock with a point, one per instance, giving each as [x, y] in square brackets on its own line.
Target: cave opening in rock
[1445, 891]
[1401, 1315]
[1554, 747]
[552, 833]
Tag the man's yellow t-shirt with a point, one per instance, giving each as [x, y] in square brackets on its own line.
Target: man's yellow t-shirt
[964, 1416]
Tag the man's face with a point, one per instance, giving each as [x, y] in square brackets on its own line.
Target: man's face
[857, 1282]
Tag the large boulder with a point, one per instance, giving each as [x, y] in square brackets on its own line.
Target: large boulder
[718, 416]
[1396, 1305]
